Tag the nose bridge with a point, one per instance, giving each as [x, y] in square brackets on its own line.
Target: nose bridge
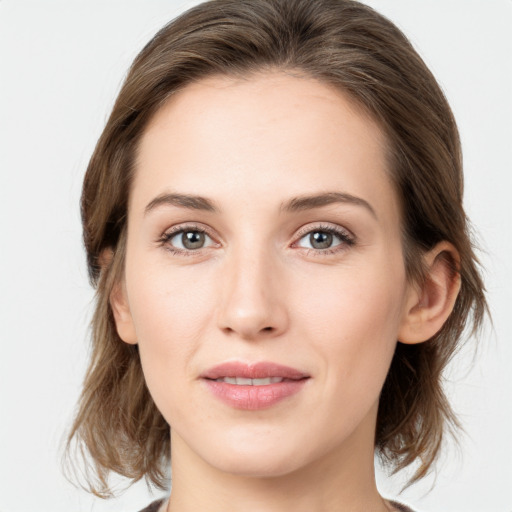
[252, 304]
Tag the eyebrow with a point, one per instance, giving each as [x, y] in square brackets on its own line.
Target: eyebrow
[318, 200]
[301, 203]
[188, 201]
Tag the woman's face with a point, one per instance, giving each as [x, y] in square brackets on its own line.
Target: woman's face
[264, 243]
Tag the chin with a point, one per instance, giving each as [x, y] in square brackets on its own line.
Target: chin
[252, 453]
[257, 465]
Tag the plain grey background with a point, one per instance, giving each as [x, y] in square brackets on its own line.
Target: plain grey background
[61, 65]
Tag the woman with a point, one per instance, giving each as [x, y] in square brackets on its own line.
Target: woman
[273, 221]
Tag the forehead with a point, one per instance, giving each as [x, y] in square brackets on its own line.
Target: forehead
[271, 131]
[258, 103]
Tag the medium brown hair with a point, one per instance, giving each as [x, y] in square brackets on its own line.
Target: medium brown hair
[339, 42]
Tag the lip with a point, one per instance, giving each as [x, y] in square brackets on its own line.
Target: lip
[260, 370]
[248, 397]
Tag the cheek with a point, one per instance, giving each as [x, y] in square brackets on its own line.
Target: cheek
[352, 328]
[354, 301]
[354, 322]
[171, 311]
[169, 304]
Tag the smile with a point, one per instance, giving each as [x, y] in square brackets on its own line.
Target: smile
[253, 386]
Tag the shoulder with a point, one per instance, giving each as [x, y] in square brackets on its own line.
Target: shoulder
[153, 507]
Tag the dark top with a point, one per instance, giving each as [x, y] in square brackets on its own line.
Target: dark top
[158, 503]
[401, 507]
[154, 506]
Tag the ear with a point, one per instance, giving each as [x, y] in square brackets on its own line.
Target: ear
[119, 303]
[122, 314]
[429, 306]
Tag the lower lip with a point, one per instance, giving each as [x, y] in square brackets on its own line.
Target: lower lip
[253, 398]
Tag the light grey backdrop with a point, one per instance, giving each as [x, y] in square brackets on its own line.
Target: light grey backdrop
[61, 65]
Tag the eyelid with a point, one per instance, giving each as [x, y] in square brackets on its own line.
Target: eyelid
[324, 226]
[347, 238]
[171, 232]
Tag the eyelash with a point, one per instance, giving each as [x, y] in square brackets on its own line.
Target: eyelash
[345, 237]
[168, 235]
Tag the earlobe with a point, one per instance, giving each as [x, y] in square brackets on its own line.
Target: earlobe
[122, 314]
[429, 305]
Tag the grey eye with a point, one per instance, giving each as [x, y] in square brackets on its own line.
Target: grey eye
[190, 240]
[320, 239]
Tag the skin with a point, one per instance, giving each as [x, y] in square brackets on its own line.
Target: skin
[259, 290]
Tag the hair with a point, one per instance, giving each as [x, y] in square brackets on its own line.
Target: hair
[338, 42]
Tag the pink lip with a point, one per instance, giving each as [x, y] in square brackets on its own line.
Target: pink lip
[254, 397]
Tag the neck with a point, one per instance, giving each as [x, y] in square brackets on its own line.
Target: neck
[341, 480]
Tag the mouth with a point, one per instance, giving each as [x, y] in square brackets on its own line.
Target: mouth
[258, 373]
[253, 386]
[242, 381]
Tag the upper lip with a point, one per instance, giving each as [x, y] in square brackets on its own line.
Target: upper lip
[259, 370]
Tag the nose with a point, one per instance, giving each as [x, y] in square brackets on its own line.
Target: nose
[253, 302]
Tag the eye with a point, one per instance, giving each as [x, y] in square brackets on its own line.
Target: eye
[319, 240]
[187, 239]
[325, 239]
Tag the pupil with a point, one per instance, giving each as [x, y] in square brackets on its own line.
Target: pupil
[320, 240]
[193, 239]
